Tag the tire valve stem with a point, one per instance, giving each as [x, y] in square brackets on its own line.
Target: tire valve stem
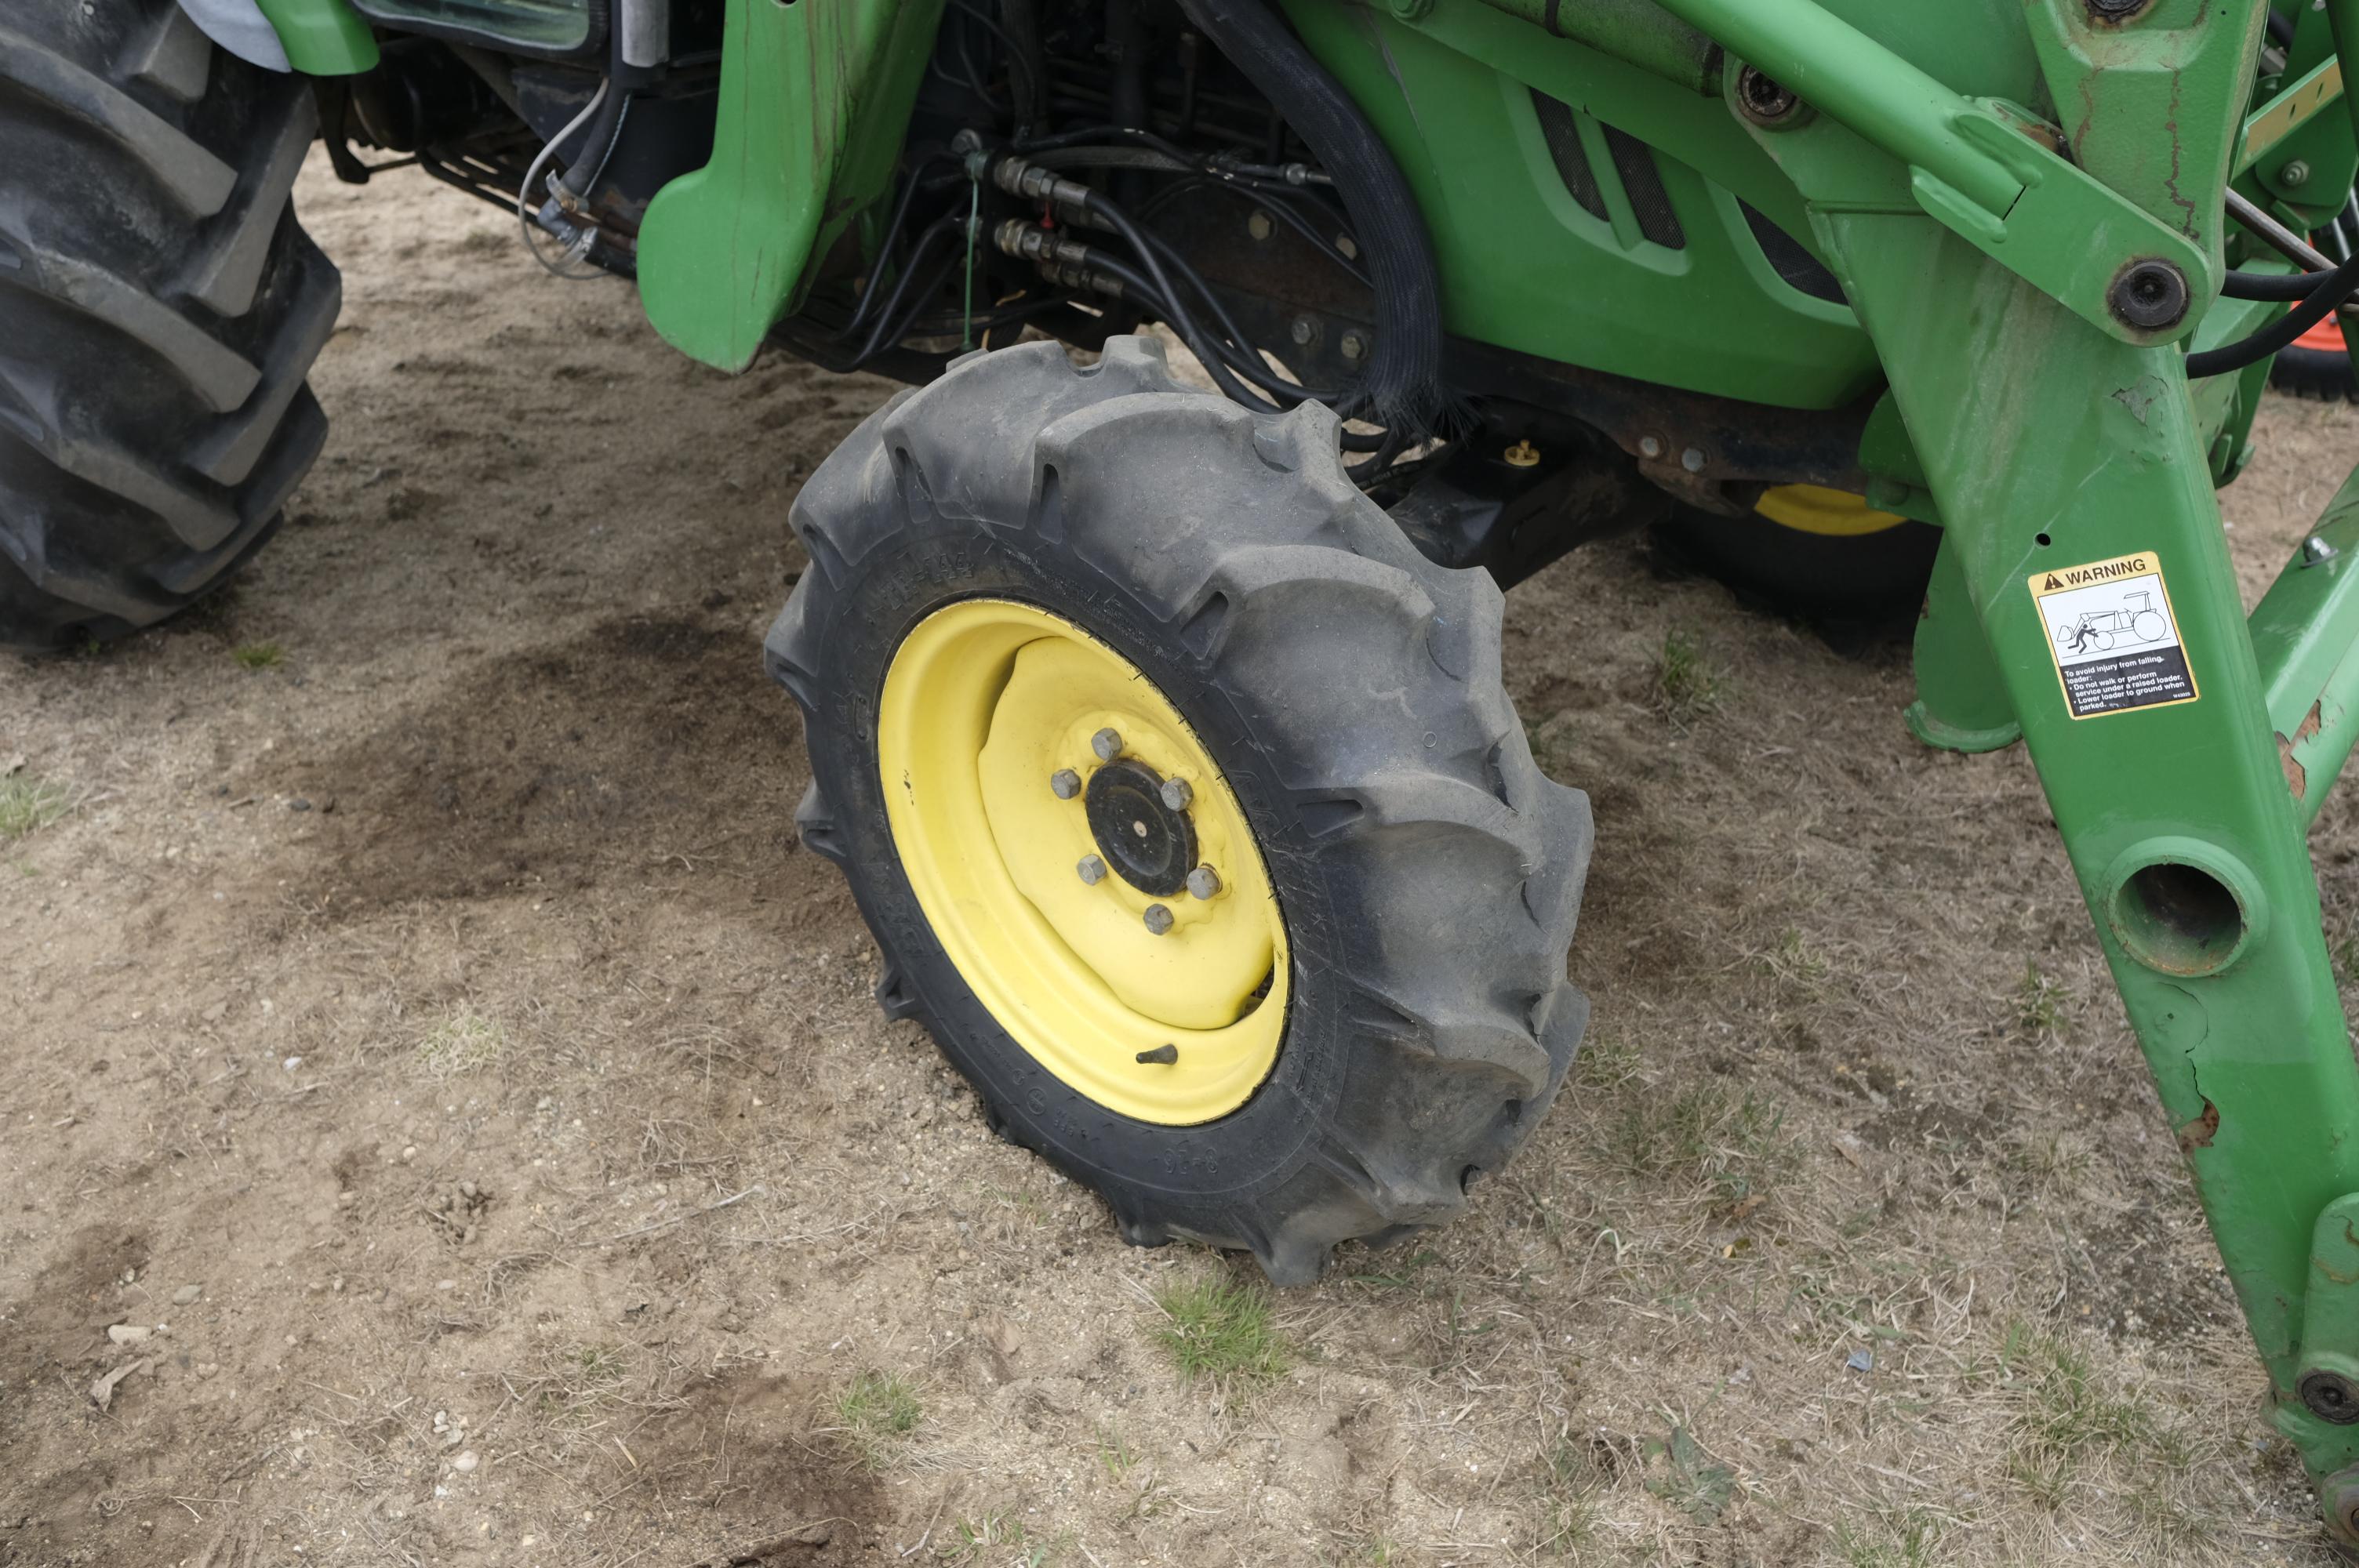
[1163, 1054]
[1091, 869]
[1107, 744]
[1159, 919]
[1065, 784]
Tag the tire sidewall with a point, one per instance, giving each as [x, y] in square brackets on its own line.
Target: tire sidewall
[1206, 1168]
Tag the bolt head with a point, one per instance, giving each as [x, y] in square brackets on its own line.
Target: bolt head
[1650, 446]
[2116, 10]
[2149, 295]
[1303, 331]
[1693, 460]
[1093, 870]
[1764, 100]
[2294, 173]
[1355, 346]
[2315, 549]
[1065, 784]
[2331, 1397]
[1203, 881]
[1177, 793]
[1159, 919]
[1258, 225]
[1107, 744]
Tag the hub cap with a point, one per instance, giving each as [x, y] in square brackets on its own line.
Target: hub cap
[985, 703]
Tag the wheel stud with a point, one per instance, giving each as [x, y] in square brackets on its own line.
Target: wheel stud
[1107, 744]
[1177, 794]
[1203, 881]
[1159, 919]
[1165, 1054]
[1093, 870]
[1065, 784]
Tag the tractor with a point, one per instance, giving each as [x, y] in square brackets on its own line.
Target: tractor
[1153, 699]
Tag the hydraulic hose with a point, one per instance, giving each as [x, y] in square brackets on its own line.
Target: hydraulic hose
[1403, 379]
[2326, 294]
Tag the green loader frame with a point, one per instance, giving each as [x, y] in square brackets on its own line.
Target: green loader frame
[2032, 208]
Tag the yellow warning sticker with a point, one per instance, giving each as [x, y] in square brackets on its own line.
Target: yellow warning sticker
[2112, 635]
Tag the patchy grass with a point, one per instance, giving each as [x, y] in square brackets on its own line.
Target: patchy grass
[28, 805]
[1795, 962]
[1687, 684]
[2038, 1002]
[1732, 1142]
[2065, 1416]
[466, 1041]
[1905, 1539]
[1221, 1333]
[878, 1415]
[978, 1533]
[258, 655]
[1687, 1477]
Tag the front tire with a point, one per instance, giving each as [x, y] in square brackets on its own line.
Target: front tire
[160, 309]
[1342, 697]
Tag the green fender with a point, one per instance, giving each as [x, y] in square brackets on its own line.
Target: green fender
[814, 100]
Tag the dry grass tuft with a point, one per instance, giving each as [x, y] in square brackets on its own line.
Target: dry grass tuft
[26, 805]
[466, 1041]
[878, 1415]
[1221, 1333]
[1687, 684]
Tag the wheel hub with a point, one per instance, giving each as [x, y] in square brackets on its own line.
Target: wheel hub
[1150, 846]
[1023, 760]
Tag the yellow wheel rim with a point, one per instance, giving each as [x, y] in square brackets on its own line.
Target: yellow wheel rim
[986, 702]
[1814, 509]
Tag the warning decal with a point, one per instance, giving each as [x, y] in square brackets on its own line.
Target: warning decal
[2113, 638]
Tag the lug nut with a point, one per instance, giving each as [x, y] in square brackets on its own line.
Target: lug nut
[1203, 881]
[1159, 919]
[1164, 1054]
[1107, 744]
[1065, 784]
[1177, 794]
[1093, 870]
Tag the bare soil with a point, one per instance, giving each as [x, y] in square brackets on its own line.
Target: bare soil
[433, 1037]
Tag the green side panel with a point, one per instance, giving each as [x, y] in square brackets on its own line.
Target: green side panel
[1526, 264]
[560, 25]
[814, 100]
[322, 37]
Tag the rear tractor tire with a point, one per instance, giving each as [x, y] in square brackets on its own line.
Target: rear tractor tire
[158, 311]
[1182, 796]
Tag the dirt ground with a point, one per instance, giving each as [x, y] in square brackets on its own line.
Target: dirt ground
[422, 1023]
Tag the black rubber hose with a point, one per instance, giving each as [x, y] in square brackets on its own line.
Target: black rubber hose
[2331, 291]
[1402, 380]
[2285, 285]
[2280, 31]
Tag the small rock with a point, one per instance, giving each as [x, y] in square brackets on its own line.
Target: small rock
[186, 1294]
[298, 804]
[465, 1462]
[347, 1199]
[467, 1189]
[128, 1333]
[292, 1063]
[409, 1151]
[1862, 1360]
[446, 1284]
[207, 1368]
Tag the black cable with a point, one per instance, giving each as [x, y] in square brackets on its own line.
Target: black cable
[1183, 320]
[2331, 291]
[2283, 285]
[2280, 31]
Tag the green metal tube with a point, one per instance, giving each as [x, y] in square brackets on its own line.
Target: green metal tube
[2306, 637]
[2343, 16]
[1639, 31]
[1848, 76]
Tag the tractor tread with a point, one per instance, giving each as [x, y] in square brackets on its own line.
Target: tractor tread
[1372, 678]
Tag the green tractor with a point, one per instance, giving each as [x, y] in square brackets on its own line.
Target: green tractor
[1153, 701]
